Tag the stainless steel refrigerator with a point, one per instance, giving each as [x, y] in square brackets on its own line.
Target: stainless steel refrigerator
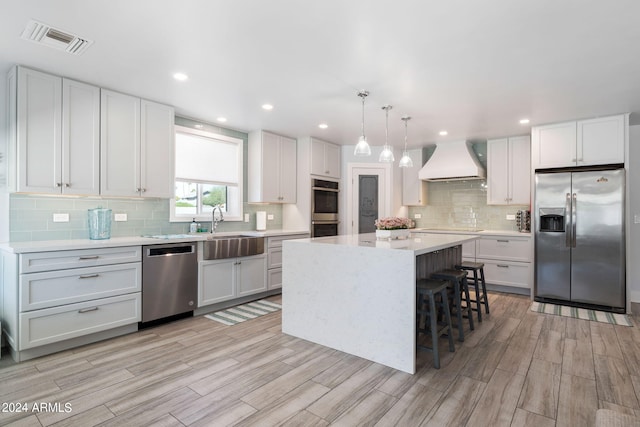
[580, 238]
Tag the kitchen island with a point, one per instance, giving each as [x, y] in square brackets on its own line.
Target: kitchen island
[357, 294]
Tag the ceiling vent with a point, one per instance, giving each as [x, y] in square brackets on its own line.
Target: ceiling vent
[44, 34]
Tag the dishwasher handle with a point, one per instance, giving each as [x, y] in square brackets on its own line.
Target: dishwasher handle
[171, 250]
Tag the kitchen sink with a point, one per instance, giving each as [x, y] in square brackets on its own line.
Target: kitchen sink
[220, 247]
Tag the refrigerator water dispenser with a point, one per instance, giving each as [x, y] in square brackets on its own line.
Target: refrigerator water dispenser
[552, 220]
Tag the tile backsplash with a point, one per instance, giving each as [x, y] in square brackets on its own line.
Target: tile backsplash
[463, 204]
[31, 217]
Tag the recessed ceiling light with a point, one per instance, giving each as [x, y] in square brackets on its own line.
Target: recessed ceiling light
[323, 125]
[267, 107]
[443, 133]
[524, 121]
[221, 119]
[181, 77]
[198, 126]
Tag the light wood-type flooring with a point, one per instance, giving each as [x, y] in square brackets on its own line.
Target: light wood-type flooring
[517, 368]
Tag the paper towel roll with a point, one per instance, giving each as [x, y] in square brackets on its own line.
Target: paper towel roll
[261, 220]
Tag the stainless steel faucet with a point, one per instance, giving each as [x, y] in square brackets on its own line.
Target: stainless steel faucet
[214, 221]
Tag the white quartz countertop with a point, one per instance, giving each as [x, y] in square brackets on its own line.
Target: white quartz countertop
[63, 245]
[419, 243]
[509, 233]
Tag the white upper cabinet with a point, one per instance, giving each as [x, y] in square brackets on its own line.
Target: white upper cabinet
[57, 133]
[601, 141]
[509, 171]
[414, 190]
[325, 159]
[137, 147]
[80, 138]
[157, 148]
[580, 143]
[272, 168]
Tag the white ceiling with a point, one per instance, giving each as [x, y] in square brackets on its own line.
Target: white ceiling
[471, 67]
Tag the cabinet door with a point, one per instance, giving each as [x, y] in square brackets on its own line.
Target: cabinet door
[251, 275]
[156, 150]
[601, 141]
[216, 281]
[80, 138]
[39, 106]
[270, 168]
[288, 170]
[317, 158]
[498, 172]
[332, 160]
[554, 145]
[120, 144]
[519, 170]
[414, 190]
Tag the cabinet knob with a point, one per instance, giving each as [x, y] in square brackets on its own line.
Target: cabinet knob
[67, 185]
[58, 184]
[144, 190]
[327, 172]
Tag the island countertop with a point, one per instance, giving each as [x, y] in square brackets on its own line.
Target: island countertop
[419, 243]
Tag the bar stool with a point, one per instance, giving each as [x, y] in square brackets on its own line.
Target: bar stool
[432, 294]
[481, 298]
[459, 280]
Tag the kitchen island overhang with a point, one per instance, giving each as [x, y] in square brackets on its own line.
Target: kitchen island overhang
[356, 294]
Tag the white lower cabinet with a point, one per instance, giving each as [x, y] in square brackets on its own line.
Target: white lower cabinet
[64, 297]
[507, 260]
[226, 279]
[274, 253]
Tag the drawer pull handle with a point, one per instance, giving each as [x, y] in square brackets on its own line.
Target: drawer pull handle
[89, 257]
[502, 241]
[88, 276]
[502, 266]
[86, 310]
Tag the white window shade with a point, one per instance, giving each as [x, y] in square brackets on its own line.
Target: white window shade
[205, 159]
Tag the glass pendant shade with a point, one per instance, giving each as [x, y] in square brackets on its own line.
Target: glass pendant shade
[405, 161]
[386, 155]
[362, 148]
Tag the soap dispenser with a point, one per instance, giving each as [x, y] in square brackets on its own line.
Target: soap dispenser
[193, 227]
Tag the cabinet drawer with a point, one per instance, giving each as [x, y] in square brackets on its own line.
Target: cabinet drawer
[59, 260]
[275, 257]
[469, 250]
[49, 289]
[507, 248]
[517, 274]
[276, 242]
[55, 324]
[274, 278]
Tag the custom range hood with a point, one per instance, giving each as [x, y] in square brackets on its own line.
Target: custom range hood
[452, 161]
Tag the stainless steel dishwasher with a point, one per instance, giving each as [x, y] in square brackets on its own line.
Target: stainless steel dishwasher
[169, 280]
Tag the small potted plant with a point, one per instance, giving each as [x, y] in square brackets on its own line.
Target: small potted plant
[393, 228]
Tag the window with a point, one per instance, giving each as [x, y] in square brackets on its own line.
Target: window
[208, 173]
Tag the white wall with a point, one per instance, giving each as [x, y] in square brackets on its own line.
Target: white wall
[633, 234]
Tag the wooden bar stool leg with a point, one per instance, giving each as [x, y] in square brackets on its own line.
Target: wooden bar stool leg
[433, 318]
[465, 288]
[484, 291]
[458, 304]
[447, 314]
[478, 296]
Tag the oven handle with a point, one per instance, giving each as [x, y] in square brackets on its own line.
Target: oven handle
[324, 222]
[328, 190]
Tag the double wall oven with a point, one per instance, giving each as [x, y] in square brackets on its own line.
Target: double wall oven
[324, 208]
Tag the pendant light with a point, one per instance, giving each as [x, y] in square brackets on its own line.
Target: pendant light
[405, 161]
[362, 148]
[387, 154]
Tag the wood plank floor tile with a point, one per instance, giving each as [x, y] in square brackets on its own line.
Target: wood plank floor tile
[631, 353]
[605, 340]
[229, 414]
[456, 405]
[305, 419]
[578, 358]
[165, 421]
[345, 395]
[541, 387]
[613, 381]
[367, 411]
[27, 421]
[342, 370]
[92, 417]
[578, 401]
[498, 401]
[484, 360]
[412, 408]
[523, 418]
[551, 339]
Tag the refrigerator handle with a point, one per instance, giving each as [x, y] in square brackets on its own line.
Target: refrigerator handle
[574, 217]
[567, 224]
